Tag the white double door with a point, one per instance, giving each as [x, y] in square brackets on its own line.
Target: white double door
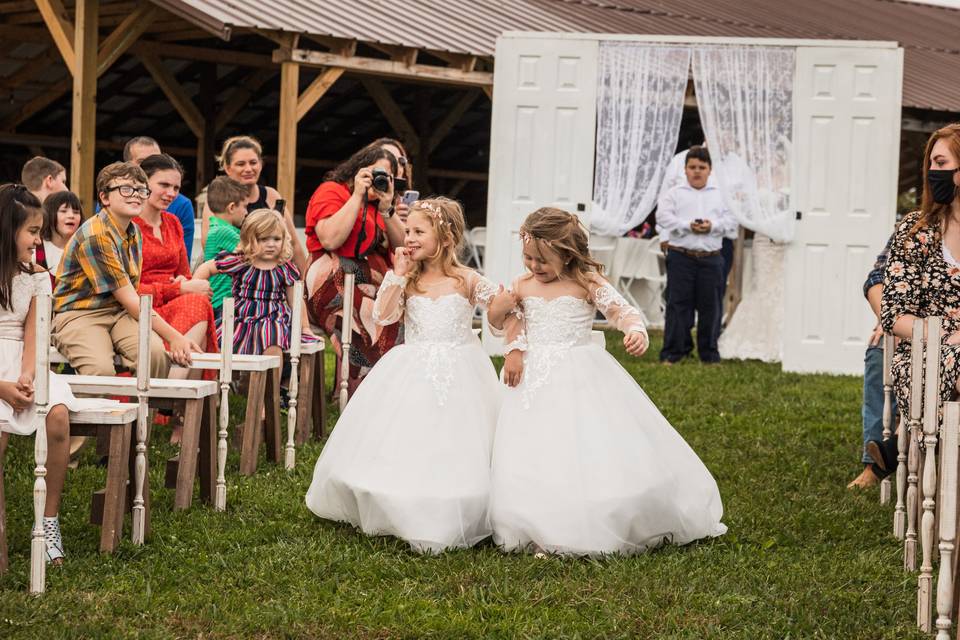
[845, 165]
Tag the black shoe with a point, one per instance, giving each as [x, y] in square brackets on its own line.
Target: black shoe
[884, 455]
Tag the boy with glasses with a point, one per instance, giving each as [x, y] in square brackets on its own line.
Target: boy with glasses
[95, 299]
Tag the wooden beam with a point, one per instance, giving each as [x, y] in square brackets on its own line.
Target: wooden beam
[386, 68]
[174, 92]
[83, 135]
[287, 143]
[320, 85]
[126, 33]
[406, 55]
[237, 99]
[489, 91]
[203, 54]
[38, 103]
[62, 32]
[30, 70]
[451, 119]
[462, 61]
[394, 115]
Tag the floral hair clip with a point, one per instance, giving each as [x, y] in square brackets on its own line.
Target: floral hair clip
[433, 209]
[527, 237]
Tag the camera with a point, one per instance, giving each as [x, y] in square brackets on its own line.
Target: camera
[381, 180]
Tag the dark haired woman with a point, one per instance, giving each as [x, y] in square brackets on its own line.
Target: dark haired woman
[180, 300]
[62, 215]
[923, 270]
[351, 227]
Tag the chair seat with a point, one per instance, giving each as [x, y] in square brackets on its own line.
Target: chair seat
[159, 387]
[310, 348]
[124, 413]
[239, 362]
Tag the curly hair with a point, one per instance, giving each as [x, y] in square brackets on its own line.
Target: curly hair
[347, 170]
[563, 234]
[258, 224]
[445, 217]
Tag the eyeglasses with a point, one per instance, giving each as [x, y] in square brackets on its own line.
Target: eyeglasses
[126, 191]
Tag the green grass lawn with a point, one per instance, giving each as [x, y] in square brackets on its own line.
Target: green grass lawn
[804, 558]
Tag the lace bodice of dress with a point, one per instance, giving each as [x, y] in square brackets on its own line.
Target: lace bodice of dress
[447, 319]
[25, 286]
[560, 322]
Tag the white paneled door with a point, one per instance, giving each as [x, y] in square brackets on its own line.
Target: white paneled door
[542, 140]
[846, 159]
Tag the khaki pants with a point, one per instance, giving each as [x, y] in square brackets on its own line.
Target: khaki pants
[89, 338]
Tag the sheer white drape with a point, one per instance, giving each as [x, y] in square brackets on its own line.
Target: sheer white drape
[745, 95]
[639, 106]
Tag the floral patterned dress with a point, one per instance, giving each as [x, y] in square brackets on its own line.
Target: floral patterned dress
[919, 281]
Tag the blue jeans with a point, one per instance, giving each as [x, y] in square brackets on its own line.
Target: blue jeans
[873, 398]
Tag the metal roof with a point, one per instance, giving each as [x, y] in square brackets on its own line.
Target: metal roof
[927, 33]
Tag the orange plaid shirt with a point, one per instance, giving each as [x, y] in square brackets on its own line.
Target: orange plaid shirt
[98, 260]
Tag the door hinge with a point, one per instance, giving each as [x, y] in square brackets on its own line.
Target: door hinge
[799, 215]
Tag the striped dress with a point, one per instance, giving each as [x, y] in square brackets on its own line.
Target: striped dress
[260, 298]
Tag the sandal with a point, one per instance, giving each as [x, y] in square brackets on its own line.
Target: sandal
[51, 533]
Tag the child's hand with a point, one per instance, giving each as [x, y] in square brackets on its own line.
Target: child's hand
[402, 262]
[14, 396]
[513, 368]
[25, 384]
[635, 343]
[502, 303]
[196, 286]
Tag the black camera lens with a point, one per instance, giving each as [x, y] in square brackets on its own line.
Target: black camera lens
[381, 180]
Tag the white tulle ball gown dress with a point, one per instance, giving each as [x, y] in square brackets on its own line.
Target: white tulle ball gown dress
[410, 455]
[583, 462]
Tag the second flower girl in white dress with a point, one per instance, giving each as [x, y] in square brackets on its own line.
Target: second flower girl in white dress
[584, 463]
[410, 455]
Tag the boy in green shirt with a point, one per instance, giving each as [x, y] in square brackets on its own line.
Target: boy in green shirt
[227, 199]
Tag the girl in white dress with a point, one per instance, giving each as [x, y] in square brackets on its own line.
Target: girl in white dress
[410, 455]
[20, 280]
[583, 462]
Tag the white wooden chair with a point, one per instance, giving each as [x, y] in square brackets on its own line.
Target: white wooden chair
[477, 243]
[118, 420]
[947, 578]
[928, 470]
[306, 383]
[888, 348]
[196, 398]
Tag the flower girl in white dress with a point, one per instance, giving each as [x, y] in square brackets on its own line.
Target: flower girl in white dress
[583, 462]
[20, 282]
[410, 455]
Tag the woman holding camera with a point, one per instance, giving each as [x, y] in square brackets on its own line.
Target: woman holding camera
[352, 228]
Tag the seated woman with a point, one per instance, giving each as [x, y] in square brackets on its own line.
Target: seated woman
[180, 300]
[351, 229]
[62, 214]
[923, 275]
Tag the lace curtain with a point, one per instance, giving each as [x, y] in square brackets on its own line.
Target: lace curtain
[745, 96]
[639, 106]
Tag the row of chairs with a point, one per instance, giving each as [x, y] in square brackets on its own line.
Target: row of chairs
[123, 431]
[928, 455]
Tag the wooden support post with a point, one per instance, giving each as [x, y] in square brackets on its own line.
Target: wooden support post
[62, 32]
[174, 91]
[394, 115]
[205, 150]
[320, 85]
[287, 146]
[84, 125]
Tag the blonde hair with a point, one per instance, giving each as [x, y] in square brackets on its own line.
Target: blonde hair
[565, 235]
[234, 144]
[446, 219]
[258, 224]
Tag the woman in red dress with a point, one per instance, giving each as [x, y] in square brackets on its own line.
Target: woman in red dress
[183, 302]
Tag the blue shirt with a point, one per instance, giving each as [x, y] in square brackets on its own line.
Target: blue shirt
[182, 208]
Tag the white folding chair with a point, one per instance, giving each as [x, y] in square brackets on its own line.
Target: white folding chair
[477, 238]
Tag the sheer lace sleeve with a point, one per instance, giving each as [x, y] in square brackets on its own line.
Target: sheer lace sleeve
[615, 308]
[482, 291]
[388, 307]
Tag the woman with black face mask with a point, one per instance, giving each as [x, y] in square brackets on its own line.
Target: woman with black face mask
[923, 271]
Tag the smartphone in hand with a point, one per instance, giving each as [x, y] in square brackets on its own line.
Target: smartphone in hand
[409, 197]
[280, 205]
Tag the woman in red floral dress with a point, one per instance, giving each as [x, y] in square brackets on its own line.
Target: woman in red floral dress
[177, 298]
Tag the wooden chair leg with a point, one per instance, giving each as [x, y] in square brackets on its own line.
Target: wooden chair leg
[131, 487]
[189, 452]
[273, 428]
[252, 424]
[320, 396]
[4, 559]
[207, 457]
[305, 398]
[115, 496]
